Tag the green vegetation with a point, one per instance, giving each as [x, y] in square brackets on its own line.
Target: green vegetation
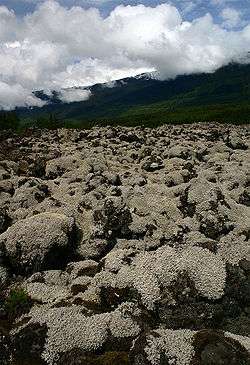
[223, 96]
[160, 113]
[50, 122]
[16, 303]
[9, 120]
[151, 116]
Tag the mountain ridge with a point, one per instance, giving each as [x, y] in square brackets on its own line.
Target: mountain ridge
[230, 85]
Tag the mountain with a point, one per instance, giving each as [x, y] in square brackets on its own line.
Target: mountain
[222, 95]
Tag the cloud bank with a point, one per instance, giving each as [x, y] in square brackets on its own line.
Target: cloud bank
[57, 47]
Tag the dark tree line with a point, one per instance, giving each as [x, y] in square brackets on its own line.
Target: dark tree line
[48, 122]
[9, 120]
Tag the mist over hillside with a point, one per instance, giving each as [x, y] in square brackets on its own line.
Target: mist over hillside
[145, 97]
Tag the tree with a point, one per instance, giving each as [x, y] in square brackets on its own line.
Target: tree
[9, 120]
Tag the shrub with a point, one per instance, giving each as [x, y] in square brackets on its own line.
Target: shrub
[16, 303]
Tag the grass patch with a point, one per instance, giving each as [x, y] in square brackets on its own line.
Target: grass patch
[16, 303]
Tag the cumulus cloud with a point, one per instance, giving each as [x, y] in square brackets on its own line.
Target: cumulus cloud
[20, 96]
[57, 47]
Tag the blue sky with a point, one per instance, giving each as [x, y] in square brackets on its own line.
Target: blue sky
[190, 9]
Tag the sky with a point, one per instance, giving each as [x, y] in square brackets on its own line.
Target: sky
[54, 45]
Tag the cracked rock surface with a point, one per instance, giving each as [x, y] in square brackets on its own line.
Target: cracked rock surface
[132, 246]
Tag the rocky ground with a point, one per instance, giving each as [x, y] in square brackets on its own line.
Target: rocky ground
[125, 246]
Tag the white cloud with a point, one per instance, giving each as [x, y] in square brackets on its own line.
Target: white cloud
[189, 7]
[16, 95]
[57, 47]
[231, 17]
[70, 95]
[92, 71]
[7, 23]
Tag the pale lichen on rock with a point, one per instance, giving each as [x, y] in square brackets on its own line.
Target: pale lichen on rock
[128, 244]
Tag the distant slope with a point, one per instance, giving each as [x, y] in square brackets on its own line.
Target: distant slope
[227, 91]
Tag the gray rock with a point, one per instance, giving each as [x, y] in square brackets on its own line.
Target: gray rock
[80, 284]
[92, 249]
[39, 242]
[81, 268]
[236, 142]
[156, 251]
[140, 181]
[112, 218]
[112, 179]
[152, 163]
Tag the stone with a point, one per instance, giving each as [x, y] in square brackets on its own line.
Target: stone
[38, 242]
[236, 142]
[131, 243]
[81, 268]
[113, 179]
[43, 293]
[92, 249]
[80, 284]
[113, 218]
[152, 163]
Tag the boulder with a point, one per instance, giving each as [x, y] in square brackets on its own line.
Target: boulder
[80, 268]
[92, 249]
[152, 163]
[43, 293]
[80, 284]
[236, 142]
[112, 218]
[40, 242]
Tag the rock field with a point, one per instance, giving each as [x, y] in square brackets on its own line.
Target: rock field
[131, 245]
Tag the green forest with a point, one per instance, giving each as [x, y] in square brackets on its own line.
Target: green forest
[222, 96]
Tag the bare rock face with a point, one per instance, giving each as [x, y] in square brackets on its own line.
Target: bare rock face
[131, 244]
[37, 242]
